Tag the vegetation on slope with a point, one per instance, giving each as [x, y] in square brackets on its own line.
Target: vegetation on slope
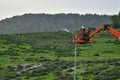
[116, 20]
[50, 56]
[48, 22]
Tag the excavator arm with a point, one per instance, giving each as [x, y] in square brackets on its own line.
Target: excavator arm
[97, 32]
[114, 32]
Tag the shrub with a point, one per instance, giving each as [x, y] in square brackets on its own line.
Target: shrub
[96, 54]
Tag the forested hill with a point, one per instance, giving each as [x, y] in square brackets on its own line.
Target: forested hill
[50, 22]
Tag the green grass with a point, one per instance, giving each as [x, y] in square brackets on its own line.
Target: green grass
[55, 51]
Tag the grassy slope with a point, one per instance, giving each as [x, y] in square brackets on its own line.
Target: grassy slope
[55, 51]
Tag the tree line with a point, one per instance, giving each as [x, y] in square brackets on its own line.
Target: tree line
[116, 20]
[51, 22]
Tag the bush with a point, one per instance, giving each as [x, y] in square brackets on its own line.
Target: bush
[117, 42]
[96, 54]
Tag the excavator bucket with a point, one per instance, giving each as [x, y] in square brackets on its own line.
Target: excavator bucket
[81, 37]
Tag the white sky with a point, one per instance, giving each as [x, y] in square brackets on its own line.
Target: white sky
[9, 8]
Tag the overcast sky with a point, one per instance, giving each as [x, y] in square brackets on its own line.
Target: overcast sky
[9, 8]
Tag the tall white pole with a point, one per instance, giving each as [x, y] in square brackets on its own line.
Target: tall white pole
[75, 63]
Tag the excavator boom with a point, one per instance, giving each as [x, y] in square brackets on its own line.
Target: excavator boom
[114, 32]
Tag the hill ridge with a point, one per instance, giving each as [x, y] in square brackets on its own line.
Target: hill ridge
[50, 22]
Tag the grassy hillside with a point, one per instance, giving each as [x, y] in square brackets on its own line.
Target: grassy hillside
[50, 56]
[50, 22]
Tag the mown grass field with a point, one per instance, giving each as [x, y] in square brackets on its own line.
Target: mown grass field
[50, 56]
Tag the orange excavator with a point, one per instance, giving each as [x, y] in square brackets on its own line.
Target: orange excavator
[84, 36]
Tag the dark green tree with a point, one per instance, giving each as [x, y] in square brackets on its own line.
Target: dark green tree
[116, 20]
